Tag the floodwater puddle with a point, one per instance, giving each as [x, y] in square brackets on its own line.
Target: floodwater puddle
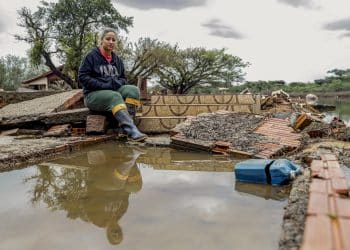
[116, 196]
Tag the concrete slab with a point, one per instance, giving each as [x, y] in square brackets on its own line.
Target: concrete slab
[42, 105]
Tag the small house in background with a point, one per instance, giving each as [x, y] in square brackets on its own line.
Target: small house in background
[43, 81]
[21, 89]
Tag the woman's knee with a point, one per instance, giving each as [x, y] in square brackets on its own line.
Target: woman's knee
[130, 91]
[103, 100]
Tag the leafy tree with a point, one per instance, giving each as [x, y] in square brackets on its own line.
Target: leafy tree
[187, 68]
[66, 30]
[340, 74]
[12, 71]
[144, 57]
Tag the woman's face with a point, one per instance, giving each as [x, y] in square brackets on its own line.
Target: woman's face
[108, 41]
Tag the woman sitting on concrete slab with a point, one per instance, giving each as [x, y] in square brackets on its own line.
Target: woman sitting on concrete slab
[105, 87]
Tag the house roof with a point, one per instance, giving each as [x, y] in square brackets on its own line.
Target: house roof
[43, 75]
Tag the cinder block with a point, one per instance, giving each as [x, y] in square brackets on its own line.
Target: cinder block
[96, 124]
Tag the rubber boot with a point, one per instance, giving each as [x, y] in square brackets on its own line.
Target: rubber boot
[122, 135]
[131, 110]
[127, 124]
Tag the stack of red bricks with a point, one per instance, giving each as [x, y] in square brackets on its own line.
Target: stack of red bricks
[280, 131]
[328, 214]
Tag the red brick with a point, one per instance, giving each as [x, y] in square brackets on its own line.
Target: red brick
[336, 173]
[340, 186]
[337, 239]
[316, 166]
[318, 233]
[332, 206]
[323, 174]
[344, 225]
[320, 186]
[342, 207]
[78, 131]
[64, 129]
[318, 204]
[223, 144]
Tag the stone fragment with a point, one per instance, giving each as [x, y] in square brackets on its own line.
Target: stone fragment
[96, 124]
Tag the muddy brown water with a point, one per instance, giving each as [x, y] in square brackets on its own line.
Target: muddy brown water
[114, 196]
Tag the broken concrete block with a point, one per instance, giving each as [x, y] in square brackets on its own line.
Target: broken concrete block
[74, 101]
[96, 124]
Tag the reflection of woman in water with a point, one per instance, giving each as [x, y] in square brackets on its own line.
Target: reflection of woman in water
[97, 193]
[109, 187]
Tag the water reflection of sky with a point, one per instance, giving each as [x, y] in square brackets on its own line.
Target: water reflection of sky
[173, 209]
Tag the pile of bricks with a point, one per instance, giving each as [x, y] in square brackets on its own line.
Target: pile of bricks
[284, 137]
[328, 214]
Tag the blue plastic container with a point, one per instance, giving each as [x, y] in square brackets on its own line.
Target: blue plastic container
[252, 170]
[282, 171]
[274, 172]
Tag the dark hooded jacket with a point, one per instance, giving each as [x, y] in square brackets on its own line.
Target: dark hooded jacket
[96, 73]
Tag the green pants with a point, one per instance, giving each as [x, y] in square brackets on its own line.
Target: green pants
[113, 101]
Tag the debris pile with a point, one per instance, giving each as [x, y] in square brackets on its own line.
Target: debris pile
[231, 127]
[242, 134]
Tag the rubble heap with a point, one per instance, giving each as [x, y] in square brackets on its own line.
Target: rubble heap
[235, 128]
[240, 134]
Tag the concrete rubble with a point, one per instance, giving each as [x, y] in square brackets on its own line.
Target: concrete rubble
[282, 128]
[37, 129]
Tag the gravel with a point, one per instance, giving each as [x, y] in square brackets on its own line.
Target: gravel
[236, 128]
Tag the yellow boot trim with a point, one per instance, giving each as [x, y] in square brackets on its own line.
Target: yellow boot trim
[134, 178]
[120, 176]
[118, 107]
[133, 101]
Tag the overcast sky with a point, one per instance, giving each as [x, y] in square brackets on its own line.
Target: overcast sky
[292, 40]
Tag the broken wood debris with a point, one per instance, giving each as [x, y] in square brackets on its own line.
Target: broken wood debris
[59, 130]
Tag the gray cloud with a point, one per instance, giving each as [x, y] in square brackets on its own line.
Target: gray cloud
[343, 24]
[6, 21]
[161, 4]
[2, 24]
[309, 4]
[345, 35]
[217, 28]
[2, 27]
